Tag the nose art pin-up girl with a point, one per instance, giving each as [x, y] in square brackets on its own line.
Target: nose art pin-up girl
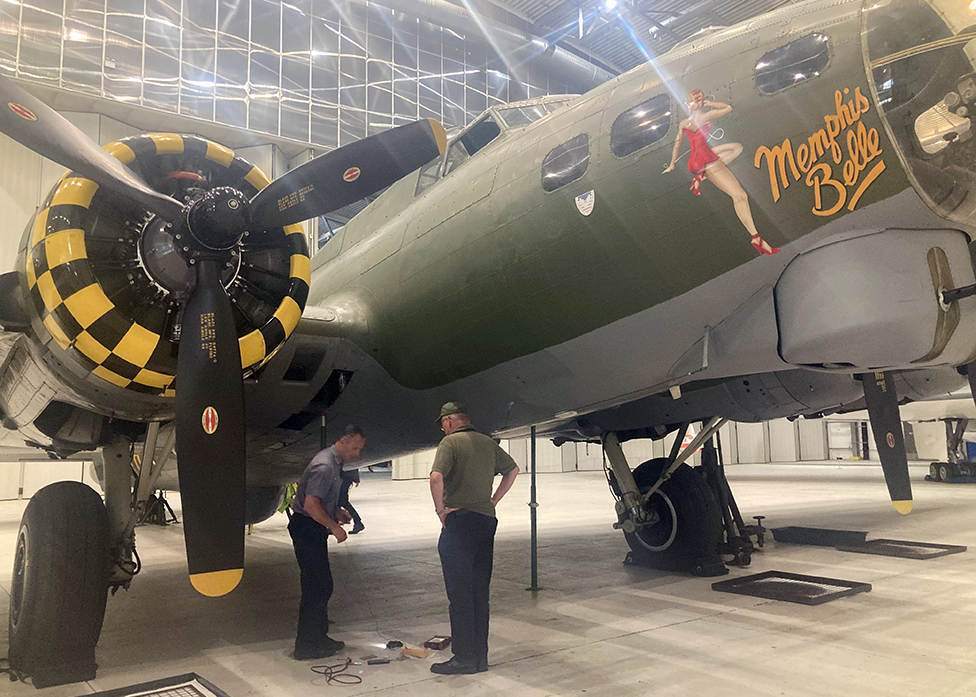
[706, 163]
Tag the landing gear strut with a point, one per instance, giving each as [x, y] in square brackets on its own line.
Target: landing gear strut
[676, 525]
[685, 518]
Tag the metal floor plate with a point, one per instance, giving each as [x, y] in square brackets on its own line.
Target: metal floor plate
[903, 548]
[792, 588]
[188, 685]
[822, 537]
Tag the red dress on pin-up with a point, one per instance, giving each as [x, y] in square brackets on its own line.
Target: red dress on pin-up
[700, 154]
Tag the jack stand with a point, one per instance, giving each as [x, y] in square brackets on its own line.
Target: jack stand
[157, 511]
[738, 535]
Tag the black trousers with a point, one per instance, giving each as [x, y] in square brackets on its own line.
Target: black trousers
[466, 548]
[344, 502]
[311, 542]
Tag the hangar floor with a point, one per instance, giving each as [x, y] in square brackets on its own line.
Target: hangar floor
[598, 627]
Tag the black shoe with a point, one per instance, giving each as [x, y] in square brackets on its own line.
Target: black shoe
[329, 647]
[456, 666]
[311, 654]
[357, 528]
[333, 646]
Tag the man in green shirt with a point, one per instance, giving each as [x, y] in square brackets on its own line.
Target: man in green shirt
[460, 484]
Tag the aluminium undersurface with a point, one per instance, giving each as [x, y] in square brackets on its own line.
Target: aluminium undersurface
[599, 627]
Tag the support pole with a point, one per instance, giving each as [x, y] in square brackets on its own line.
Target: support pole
[533, 506]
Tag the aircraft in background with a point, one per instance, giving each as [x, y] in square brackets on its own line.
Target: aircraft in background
[770, 220]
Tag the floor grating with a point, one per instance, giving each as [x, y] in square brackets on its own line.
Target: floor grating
[903, 548]
[188, 685]
[792, 588]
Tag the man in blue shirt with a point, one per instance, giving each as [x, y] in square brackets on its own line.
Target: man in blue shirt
[316, 516]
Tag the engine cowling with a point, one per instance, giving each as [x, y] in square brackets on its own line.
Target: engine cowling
[105, 284]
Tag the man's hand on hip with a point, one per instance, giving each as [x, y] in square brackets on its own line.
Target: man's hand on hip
[443, 513]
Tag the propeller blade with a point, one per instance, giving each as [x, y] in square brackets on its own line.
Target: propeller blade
[210, 436]
[35, 125]
[882, 402]
[347, 174]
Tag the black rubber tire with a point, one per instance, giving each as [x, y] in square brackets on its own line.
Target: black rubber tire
[934, 471]
[60, 584]
[691, 534]
[945, 473]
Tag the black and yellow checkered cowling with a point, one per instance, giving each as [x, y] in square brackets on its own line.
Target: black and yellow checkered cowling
[96, 299]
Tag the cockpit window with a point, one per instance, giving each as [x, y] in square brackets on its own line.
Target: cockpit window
[793, 63]
[470, 142]
[456, 155]
[479, 135]
[428, 175]
[516, 117]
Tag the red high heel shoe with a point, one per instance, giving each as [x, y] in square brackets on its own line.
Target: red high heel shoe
[762, 246]
[696, 184]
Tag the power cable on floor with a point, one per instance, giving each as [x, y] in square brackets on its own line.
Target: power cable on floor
[336, 673]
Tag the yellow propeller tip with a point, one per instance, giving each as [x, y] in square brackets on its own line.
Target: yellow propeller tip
[903, 507]
[216, 583]
[440, 135]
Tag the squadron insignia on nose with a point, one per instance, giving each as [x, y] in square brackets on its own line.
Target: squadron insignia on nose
[209, 420]
[22, 111]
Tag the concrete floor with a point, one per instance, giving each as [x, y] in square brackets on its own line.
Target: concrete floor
[597, 627]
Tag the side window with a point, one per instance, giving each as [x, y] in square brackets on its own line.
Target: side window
[641, 125]
[793, 63]
[566, 163]
[428, 175]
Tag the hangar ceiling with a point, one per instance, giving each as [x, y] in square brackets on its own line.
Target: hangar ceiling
[624, 33]
[329, 72]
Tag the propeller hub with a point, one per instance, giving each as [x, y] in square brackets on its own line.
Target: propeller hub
[219, 219]
[165, 254]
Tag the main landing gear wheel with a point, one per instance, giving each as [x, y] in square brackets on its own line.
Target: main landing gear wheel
[689, 521]
[60, 585]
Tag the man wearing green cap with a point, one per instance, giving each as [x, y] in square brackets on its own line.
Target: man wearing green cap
[460, 484]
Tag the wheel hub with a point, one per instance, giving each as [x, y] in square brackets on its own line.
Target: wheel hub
[659, 531]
